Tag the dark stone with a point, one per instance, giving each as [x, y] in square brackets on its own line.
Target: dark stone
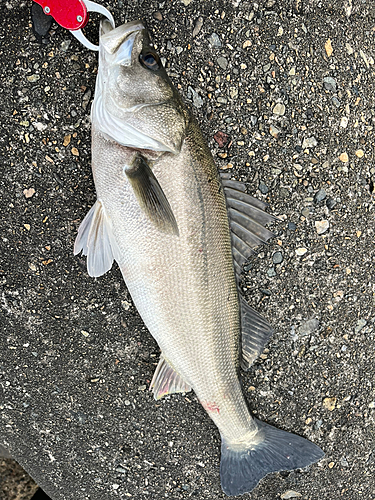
[320, 195]
[330, 203]
[41, 22]
[277, 258]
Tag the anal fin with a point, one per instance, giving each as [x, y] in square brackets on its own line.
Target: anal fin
[256, 332]
[166, 380]
[95, 239]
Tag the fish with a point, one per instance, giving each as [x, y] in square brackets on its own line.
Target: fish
[180, 233]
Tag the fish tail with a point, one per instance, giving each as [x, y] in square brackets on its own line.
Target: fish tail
[271, 450]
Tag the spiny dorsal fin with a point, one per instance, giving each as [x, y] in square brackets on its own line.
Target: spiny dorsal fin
[166, 380]
[150, 195]
[95, 239]
[247, 218]
[256, 332]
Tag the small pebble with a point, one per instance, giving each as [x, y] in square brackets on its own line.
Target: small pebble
[329, 84]
[266, 67]
[33, 78]
[349, 49]
[320, 196]
[318, 424]
[344, 122]
[328, 47]
[271, 272]
[221, 138]
[277, 258]
[195, 97]
[263, 188]
[321, 226]
[233, 92]
[65, 45]
[344, 157]
[279, 109]
[274, 131]
[290, 494]
[309, 326]
[39, 126]
[329, 403]
[361, 323]
[359, 153]
[222, 100]
[198, 26]
[301, 251]
[29, 192]
[158, 15]
[222, 62]
[214, 40]
[331, 203]
[344, 462]
[292, 226]
[309, 142]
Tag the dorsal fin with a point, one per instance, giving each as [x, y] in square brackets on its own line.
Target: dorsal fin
[246, 218]
[166, 380]
[256, 332]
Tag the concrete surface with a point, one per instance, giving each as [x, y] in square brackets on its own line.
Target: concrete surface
[291, 86]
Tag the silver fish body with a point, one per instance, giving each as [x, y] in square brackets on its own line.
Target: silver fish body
[163, 216]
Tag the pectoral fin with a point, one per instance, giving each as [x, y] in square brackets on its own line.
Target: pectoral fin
[167, 381]
[150, 195]
[95, 239]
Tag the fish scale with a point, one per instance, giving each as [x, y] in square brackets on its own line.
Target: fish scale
[162, 215]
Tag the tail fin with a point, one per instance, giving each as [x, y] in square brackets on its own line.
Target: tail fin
[274, 451]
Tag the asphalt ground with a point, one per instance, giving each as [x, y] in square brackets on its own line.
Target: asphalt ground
[291, 87]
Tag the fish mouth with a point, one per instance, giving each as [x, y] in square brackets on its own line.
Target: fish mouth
[120, 39]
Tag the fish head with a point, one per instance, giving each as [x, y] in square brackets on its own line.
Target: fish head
[135, 102]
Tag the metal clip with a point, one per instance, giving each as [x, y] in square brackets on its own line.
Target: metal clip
[93, 7]
[74, 15]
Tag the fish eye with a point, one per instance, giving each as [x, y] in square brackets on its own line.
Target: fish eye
[150, 60]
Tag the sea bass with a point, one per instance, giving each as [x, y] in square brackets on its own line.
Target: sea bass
[180, 234]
